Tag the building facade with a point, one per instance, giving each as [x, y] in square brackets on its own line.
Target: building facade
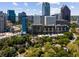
[51, 25]
[46, 9]
[47, 24]
[37, 20]
[2, 21]
[65, 13]
[50, 20]
[24, 23]
[11, 16]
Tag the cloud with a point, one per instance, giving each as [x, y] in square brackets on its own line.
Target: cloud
[39, 3]
[27, 9]
[26, 4]
[54, 11]
[72, 7]
[15, 4]
[40, 11]
[54, 2]
[58, 3]
[34, 10]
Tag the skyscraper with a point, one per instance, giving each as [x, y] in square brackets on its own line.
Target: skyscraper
[24, 22]
[19, 17]
[46, 9]
[65, 13]
[11, 16]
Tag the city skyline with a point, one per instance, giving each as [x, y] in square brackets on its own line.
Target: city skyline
[32, 8]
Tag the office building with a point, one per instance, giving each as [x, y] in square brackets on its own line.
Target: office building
[58, 16]
[2, 21]
[47, 24]
[46, 9]
[50, 20]
[65, 13]
[61, 28]
[37, 24]
[30, 18]
[37, 20]
[11, 16]
[24, 23]
[19, 18]
[51, 25]
[62, 22]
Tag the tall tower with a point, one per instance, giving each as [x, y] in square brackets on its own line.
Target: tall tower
[65, 13]
[24, 22]
[11, 16]
[46, 9]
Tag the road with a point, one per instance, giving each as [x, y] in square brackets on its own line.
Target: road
[74, 35]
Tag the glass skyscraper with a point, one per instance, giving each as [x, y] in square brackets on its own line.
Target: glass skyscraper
[11, 16]
[65, 13]
[24, 22]
[46, 9]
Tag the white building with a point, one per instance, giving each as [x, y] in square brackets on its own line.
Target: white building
[50, 20]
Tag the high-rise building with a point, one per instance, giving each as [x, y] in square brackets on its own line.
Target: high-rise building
[24, 22]
[11, 16]
[2, 21]
[30, 18]
[65, 13]
[19, 17]
[47, 24]
[46, 9]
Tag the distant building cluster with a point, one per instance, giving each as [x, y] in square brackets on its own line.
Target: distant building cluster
[43, 24]
[50, 24]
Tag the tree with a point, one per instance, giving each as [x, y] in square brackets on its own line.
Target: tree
[73, 48]
[49, 53]
[77, 41]
[16, 40]
[73, 26]
[33, 52]
[21, 50]
[63, 40]
[47, 39]
[8, 52]
[1, 44]
[48, 50]
[62, 53]
[69, 35]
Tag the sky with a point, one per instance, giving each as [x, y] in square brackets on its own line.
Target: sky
[35, 8]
